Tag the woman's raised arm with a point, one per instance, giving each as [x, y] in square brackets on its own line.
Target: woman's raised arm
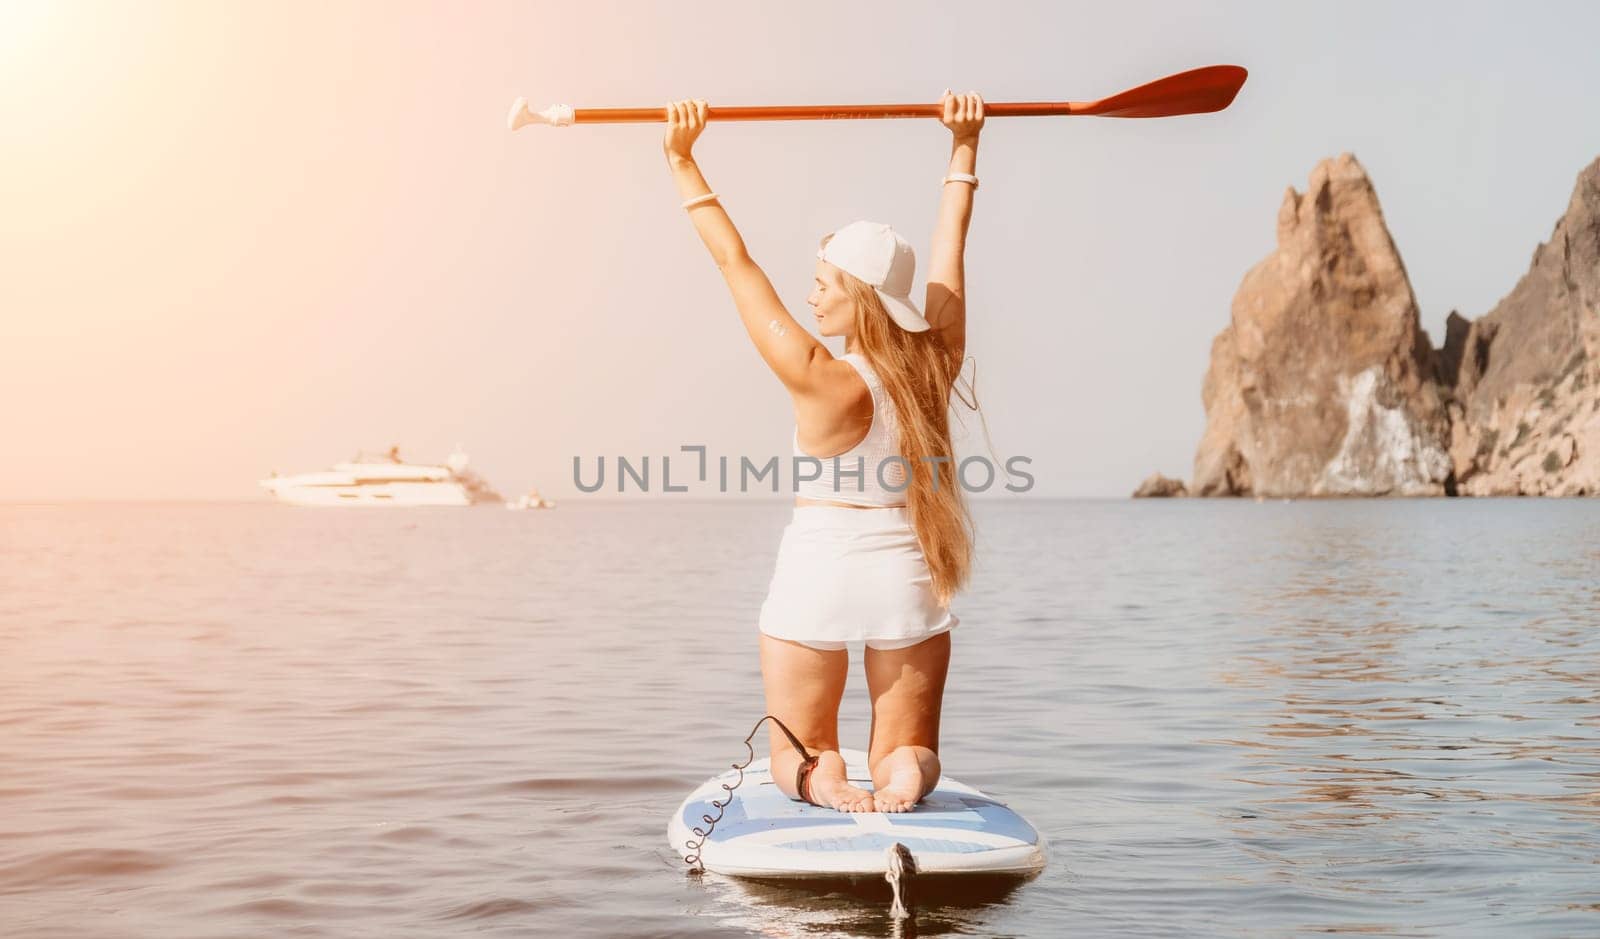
[792, 353]
[685, 120]
[947, 297]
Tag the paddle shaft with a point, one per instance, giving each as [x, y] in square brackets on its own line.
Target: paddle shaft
[819, 112]
[1196, 91]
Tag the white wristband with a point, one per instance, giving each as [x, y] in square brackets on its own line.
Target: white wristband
[963, 178]
[687, 203]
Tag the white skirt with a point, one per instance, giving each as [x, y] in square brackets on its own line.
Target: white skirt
[848, 575]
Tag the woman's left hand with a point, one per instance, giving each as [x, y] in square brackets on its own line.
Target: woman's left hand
[685, 120]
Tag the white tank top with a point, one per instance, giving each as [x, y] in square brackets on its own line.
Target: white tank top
[863, 471]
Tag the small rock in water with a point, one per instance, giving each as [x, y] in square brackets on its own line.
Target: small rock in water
[1158, 486]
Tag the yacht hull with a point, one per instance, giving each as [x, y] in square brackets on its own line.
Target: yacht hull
[385, 482]
[381, 494]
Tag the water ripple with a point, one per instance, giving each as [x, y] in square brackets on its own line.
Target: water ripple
[1229, 718]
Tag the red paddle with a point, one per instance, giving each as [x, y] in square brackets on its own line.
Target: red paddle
[1197, 91]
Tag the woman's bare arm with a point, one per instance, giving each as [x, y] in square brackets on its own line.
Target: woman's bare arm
[947, 297]
[710, 220]
[787, 348]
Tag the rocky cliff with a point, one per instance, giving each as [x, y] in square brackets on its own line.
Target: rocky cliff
[1524, 379]
[1324, 383]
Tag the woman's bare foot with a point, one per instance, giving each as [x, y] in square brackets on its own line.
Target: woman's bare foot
[906, 773]
[830, 787]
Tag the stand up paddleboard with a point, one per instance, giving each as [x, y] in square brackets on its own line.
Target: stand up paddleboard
[763, 833]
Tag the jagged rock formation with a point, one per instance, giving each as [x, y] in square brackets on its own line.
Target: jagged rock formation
[1324, 382]
[1524, 379]
[1157, 486]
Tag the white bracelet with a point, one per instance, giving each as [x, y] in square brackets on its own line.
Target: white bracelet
[699, 199]
[963, 178]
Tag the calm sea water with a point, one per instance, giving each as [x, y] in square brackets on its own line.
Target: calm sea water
[1229, 718]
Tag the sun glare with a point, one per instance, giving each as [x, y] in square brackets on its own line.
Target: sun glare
[23, 25]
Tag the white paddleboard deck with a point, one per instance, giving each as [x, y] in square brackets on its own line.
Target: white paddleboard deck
[955, 829]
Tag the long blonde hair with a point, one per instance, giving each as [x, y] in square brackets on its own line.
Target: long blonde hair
[919, 371]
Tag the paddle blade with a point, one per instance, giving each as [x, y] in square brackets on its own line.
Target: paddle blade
[1197, 91]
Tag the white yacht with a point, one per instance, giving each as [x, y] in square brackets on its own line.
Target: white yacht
[385, 480]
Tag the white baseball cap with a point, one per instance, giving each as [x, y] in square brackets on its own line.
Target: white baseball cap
[877, 255]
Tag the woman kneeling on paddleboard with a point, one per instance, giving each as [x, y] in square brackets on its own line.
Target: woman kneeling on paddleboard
[870, 554]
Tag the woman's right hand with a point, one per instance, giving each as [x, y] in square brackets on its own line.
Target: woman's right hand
[686, 119]
[963, 114]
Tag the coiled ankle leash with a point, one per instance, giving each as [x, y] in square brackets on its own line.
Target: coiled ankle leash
[802, 785]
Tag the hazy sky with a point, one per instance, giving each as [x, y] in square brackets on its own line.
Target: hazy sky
[243, 237]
